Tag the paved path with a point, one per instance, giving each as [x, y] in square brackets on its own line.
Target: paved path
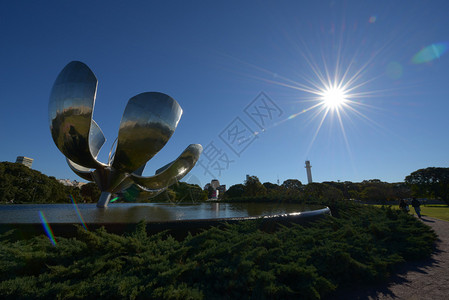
[428, 279]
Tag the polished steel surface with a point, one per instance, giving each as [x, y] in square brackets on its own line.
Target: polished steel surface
[173, 172]
[70, 111]
[85, 173]
[148, 122]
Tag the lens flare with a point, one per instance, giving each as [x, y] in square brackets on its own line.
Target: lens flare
[333, 82]
[430, 53]
[115, 199]
[336, 94]
[47, 228]
[78, 213]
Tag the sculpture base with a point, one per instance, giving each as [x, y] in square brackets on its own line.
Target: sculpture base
[179, 229]
[103, 202]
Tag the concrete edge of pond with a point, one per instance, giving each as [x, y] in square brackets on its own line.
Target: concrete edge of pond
[176, 228]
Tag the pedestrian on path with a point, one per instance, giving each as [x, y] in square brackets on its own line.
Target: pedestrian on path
[416, 205]
[403, 205]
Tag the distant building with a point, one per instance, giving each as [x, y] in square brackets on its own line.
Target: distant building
[215, 194]
[217, 189]
[74, 183]
[309, 171]
[24, 161]
[215, 184]
[222, 189]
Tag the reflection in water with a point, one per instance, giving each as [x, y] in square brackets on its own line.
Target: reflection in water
[216, 208]
[134, 212]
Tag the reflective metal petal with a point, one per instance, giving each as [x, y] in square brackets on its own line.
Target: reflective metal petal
[70, 113]
[81, 171]
[96, 139]
[124, 185]
[139, 193]
[148, 122]
[172, 172]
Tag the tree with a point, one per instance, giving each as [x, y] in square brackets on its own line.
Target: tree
[313, 191]
[375, 194]
[270, 186]
[90, 192]
[292, 188]
[430, 182]
[292, 184]
[20, 184]
[166, 196]
[253, 187]
[401, 190]
[322, 191]
[332, 194]
[210, 191]
[273, 190]
[235, 191]
[188, 192]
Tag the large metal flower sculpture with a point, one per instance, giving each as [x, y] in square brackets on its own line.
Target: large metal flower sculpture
[148, 122]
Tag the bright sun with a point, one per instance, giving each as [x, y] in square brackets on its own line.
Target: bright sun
[333, 97]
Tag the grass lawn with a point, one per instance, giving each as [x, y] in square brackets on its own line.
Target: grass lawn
[437, 211]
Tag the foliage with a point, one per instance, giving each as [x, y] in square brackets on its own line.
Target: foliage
[235, 191]
[166, 196]
[401, 190]
[292, 184]
[234, 262]
[20, 184]
[374, 193]
[272, 189]
[430, 182]
[186, 192]
[372, 190]
[180, 192]
[90, 192]
[253, 187]
[292, 187]
[323, 192]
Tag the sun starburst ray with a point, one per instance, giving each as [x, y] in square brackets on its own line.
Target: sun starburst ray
[317, 131]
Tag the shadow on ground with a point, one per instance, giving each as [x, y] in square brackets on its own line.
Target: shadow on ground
[399, 278]
[383, 289]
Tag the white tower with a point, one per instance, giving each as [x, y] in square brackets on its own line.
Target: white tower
[309, 171]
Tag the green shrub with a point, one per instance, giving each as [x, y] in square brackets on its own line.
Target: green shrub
[238, 261]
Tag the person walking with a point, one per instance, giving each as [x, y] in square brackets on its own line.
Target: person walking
[416, 205]
[403, 205]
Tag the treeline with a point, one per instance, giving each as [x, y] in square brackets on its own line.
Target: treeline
[372, 190]
[430, 183]
[179, 192]
[20, 184]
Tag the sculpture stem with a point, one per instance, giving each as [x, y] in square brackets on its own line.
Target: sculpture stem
[105, 197]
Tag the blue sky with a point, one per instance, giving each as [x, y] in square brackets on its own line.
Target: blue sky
[223, 61]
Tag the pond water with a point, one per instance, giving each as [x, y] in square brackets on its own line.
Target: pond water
[150, 212]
